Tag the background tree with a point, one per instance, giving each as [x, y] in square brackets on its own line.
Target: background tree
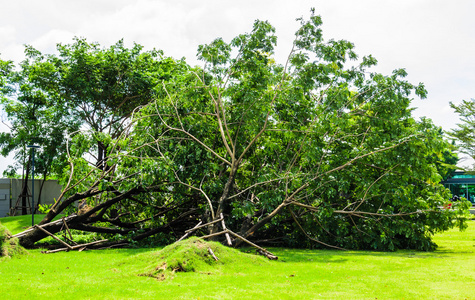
[103, 86]
[312, 152]
[32, 119]
[89, 86]
[465, 133]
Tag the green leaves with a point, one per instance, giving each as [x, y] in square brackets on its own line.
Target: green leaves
[465, 133]
[318, 147]
[217, 53]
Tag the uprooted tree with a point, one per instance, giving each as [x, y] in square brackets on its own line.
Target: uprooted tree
[318, 151]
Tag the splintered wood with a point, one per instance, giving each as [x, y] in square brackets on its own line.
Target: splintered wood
[212, 254]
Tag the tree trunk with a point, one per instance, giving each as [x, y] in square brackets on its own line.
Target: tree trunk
[41, 190]
[101, 155]
[224, 196]
[60, 206]
[263, 221]
[29, 240]
[24, 190]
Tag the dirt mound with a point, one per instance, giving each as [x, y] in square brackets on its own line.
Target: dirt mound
[195, 255]
[9, 247]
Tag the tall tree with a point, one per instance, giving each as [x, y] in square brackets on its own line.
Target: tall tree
[102, 87]
[32, 118]
[465, 133]
[84, 86]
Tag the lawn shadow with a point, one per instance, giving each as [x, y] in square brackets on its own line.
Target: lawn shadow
[292, 255]
[338, 256]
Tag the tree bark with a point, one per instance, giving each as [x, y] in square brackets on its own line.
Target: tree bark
[264, 220]
[61, 206]
[24, 190]
[28, 240]
[41, 190]
[225, 195]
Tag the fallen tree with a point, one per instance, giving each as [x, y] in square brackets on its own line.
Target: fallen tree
[318, 151]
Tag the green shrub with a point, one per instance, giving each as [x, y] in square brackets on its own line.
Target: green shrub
[9, 246]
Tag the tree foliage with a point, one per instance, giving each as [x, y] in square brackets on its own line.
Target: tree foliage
[83, 86]
[465, 133]
[319, 151]
[33, 118]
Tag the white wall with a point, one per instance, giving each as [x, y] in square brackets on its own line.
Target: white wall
[4, 197]
[10, 189]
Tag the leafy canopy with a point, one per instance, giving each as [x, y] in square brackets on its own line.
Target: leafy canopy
[317, 151]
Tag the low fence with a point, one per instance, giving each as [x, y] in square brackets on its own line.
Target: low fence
[11, 188]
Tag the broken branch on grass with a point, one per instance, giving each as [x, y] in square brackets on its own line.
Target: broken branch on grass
[263, 251]
[190, 231]
[212, 254]
[75, 247]
[54, 237]
[204, 225]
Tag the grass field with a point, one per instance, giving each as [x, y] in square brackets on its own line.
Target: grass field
[448, 273]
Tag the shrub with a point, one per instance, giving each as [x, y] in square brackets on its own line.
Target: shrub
[9, 246]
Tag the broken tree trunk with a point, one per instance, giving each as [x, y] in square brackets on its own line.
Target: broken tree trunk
[31, 235]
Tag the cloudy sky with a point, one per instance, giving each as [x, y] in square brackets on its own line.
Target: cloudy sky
[433, 40]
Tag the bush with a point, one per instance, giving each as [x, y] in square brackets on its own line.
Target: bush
[9, 246]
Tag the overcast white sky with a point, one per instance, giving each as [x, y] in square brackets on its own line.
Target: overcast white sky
[433, 40]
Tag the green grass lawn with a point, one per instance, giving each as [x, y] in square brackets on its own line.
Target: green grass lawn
[448, 273]
[19, 223]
